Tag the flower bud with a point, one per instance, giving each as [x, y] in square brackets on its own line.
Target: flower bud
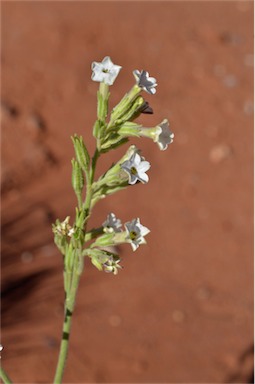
[103, 259]
[96, 129]
[77, 177]
[81, 152]
[125, 103]
[127, 112]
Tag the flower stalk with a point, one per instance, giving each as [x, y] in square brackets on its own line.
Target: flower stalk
[75, 241]
[129, 170]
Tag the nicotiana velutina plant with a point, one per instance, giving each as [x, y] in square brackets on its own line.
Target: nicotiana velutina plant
[111, 130]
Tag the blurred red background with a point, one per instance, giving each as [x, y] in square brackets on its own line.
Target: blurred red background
[181, 311]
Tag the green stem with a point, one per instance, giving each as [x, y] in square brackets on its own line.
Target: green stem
[79, 199]
[93, 234]
[69, 307]
[71, 277]
[4, 376]
[63, 348]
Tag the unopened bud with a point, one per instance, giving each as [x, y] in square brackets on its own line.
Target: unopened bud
[81, 152]
[77, 177]
[132, 110]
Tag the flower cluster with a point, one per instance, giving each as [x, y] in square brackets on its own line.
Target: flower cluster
[133, 234]
[111, 130]
[113, 235]
[120, 127]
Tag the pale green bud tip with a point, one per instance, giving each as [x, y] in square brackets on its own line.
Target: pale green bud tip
[105, 71]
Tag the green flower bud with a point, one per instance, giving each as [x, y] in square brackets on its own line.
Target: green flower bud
[113, 141]
[96, 129]
[125, 104]
[77, 177]
[133, 111]
[81, 152]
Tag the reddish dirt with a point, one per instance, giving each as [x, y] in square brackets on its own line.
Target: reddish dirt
[181, 311]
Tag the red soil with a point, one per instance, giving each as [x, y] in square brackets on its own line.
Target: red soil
[181, 311]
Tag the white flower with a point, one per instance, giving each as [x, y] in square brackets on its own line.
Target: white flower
[112, 265]
[105, 72]
[136, 233]
[165, 137]
[136, 168]
[112, 224]
[145, 82]
[63, 228]
[71, 232]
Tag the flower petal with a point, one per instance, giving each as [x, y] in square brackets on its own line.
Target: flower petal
[144, 166]
[143, 177]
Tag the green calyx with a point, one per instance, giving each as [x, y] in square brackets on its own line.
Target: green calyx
[81, 152]
[77, 177]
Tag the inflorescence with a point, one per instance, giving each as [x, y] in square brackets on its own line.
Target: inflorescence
[111, 130]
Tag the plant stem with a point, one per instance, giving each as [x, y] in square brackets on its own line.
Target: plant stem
[72, 277]
[4, 376]
[63, 348]
[69, 307]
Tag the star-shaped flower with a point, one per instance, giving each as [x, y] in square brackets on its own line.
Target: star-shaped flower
[112, 265]
[105, 72]
[145, 82]
[136, 233]
[165, 137]
[63, 228]
[136, 167]
[112, 224]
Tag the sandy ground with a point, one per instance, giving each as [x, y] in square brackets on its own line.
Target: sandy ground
[181, 311]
